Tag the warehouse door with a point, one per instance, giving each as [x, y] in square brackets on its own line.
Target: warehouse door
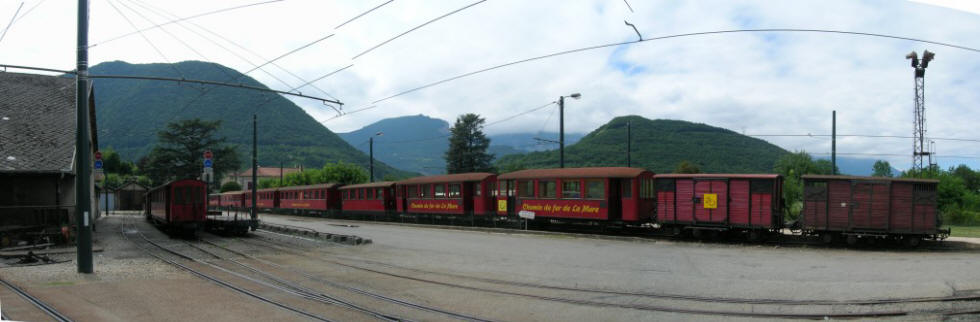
[710, 201]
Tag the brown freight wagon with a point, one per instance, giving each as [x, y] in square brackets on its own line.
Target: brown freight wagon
[871, 208]
[713, 203]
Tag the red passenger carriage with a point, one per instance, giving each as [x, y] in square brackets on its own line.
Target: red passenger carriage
[268, 198]
[178, 205]
[871, 208]
[605, 194]
[319, 198]
[720, 202]
[461, 194]
[374, 199]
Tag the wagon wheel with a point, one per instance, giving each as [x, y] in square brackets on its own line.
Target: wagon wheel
[697, 233]
[912, 241]
[755, 236]
[827, 238]
[852, 240]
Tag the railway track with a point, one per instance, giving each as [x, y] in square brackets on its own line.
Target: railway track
[44, 307]
[210, 277]
[871, 306]
[377, 296]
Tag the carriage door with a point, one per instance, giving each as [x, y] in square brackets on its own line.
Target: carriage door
[511, 198]
[710, 201]
[615, 199]
[870, 202]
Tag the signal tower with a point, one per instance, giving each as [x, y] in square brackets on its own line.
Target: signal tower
[919, 148]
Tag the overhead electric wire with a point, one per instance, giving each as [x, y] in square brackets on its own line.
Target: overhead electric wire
[703, 33]
[417, 27]
[863, 135]
[183, 19]
[628, 5]
[12, 19]
[485, 126]
[236, 44]
[146, 39]
[29, 11]
[362, 14]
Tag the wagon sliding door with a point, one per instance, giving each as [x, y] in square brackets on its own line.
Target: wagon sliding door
[869, 205]
[711, 201]
[815, 205]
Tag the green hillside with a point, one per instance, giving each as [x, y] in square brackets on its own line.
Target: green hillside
[131, 112]
[659, 145]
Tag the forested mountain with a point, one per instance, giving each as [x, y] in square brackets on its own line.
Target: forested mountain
[659, 145]
[416, 143]
[131, 112]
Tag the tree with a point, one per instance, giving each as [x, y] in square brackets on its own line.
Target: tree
[179, 153]
[882, 169]
[342, 173]
[792, 167]
[468, 146]
[686, 167]
[231, 186]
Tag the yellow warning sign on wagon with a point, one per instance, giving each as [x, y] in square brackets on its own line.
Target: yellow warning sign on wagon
[710, 200]
[502, 205]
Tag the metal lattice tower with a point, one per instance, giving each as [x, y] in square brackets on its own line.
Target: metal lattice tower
[919, 148]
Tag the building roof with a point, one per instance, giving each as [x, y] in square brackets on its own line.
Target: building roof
[459, 177]
[37, 123]
[829, 177]
[312, 186]
[266, 172]
[718, 176]
[383, 184]
[602, 172]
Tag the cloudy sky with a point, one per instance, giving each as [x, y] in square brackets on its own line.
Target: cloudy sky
[778, 83]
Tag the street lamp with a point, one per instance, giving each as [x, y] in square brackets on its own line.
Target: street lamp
[561, 127]
[371, 149]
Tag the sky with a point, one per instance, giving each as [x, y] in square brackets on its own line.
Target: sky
[762, 83]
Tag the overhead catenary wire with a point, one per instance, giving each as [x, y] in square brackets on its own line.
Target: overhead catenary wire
[485, 126]
[417, 27]
[702, 33]
[29, 10]
[183, 19]
[154, 46]
[362, 14]
[12, 20]
[864, 136]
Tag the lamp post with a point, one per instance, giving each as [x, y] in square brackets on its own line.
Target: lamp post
[371, 153]
[561, 128]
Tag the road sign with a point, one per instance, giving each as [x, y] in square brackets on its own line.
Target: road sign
[208, 163]
[98, 155]
[98, 163]
[208, 155]
[526, 214]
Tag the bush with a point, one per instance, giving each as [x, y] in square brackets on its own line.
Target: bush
[231, 186]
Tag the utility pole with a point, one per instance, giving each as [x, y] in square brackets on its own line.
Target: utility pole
[83, 177]
[371, 156]
[255, 175]
[280, 172]
[629, 143]
[561, 131]
[833, 144]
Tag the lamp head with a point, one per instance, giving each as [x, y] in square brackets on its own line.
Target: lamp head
[575, 95]
[926, 58]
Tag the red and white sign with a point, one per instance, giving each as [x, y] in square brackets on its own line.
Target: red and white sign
[98, 155]
[208, 155]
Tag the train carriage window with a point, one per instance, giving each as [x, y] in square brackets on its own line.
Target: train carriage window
[413, 191]
[379, 193]
[477, 189]
[440, 191]
[596, 189]
[571, 189]
[360, 194]
[525, 189]
[760, 186]
[627, 189]
[179, 196]
[815, 191]
[426, 191]
[511, 187]
[492, 187]
[454, 190]
[546, 189]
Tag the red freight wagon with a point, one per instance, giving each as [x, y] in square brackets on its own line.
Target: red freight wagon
[720, 202]
[607, 194]
[871, 208]
[178, 204]
[376, 198]
[320, 198]
[268, 198]
[453, 194]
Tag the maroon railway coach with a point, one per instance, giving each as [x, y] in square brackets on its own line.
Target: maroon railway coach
[615, 194]
[459, 194]
[214, 201]
[318, 198]
[871, 208]
[374, 199]
[178, 205]
[232, 200]
[268, 198]
[711, 203]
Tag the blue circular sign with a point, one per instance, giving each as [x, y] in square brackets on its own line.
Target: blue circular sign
[208, 163]
[98, 164]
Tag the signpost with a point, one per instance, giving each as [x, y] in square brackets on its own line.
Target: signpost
[208, 167]
[526, 214]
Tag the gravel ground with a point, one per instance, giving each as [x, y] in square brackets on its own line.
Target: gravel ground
[129, 285]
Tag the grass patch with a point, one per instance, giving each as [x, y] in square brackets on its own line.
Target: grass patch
[965, 231]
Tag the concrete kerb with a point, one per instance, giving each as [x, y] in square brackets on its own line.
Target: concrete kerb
[308, 233]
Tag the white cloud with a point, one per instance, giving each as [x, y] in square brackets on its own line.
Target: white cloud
[776, 83]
